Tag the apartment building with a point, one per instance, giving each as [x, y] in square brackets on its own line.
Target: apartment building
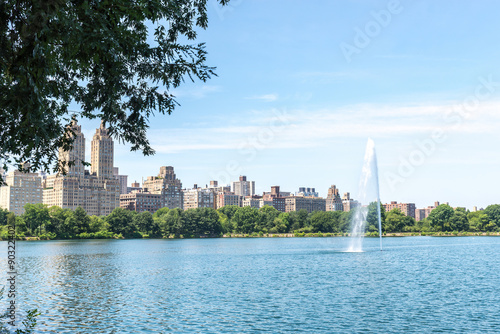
[297, 203]
[243, 187]
[407, 208]
[21, 189]
[168, 186]
[333, 200]
[97, 191]
[199, 198]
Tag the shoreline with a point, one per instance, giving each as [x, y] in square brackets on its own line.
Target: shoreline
[295, 235]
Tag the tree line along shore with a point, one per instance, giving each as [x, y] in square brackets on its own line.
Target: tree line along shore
[40, 222]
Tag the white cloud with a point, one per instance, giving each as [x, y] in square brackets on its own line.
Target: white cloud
[198, 92]
[273, 129]
[265, 97]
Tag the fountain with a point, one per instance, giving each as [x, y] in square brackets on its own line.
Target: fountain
[368, 192]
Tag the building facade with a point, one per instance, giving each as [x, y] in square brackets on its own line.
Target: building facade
[167, 185]
[279, 204]
[243, 187]
[214, 185]
[21, 189]
[199, 198]
[310, 204]
[307, 192]
[421, 214]
[228, 198]
[141, 201]
[348, 203]
[276, 198]
[333, 200]
[252, 201]
[134, 186]
[123, 179]
[97, 191]
[407, 208]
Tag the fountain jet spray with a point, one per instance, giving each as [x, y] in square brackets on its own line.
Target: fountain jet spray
[368, 192]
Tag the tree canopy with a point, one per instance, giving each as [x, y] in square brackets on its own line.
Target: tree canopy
[118, 60]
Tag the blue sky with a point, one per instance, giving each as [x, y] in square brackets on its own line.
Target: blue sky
[289, 108]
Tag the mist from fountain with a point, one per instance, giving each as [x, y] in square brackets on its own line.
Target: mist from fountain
[368, 192]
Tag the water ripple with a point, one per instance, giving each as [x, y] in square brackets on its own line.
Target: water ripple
[262, 285]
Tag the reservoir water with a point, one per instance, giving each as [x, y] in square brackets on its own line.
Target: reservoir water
[257, 285]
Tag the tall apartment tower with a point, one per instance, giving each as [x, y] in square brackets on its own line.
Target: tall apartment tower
[333, 200]
[76, 154]
[244, 187]
[97, 192]
[102, 154]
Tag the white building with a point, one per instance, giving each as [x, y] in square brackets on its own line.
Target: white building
[21, 189]
[199, 198]
[123, 180]
[243, 187]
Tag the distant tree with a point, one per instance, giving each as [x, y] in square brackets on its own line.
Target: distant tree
[372, 217]
[21, 226]
[36, 216]
[321, 221]
[144, 222]
[228, 210]
[440, 218]
[245, 219]
[459, 220]
[57, 222]
[226, 223]
[345, 221]
[160, 212]
[172, 222]
[3, 216]
[281, 224]
[121, 221]
[394, 221]
[191, 218]
[267, 215]
[97, 224]
[82, 221]
[208, 222]
[480, 221]
[11, 219]
[299, 219]
[493, 213]
[69, 227]
[99, 55]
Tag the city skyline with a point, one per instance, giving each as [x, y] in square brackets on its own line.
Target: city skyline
[313, 109]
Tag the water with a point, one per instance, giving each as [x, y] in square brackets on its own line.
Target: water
[273, 285]
[368, 192]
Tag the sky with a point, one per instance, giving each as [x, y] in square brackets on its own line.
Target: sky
[302, 85]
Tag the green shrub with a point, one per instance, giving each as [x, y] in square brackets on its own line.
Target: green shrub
[47, 236]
